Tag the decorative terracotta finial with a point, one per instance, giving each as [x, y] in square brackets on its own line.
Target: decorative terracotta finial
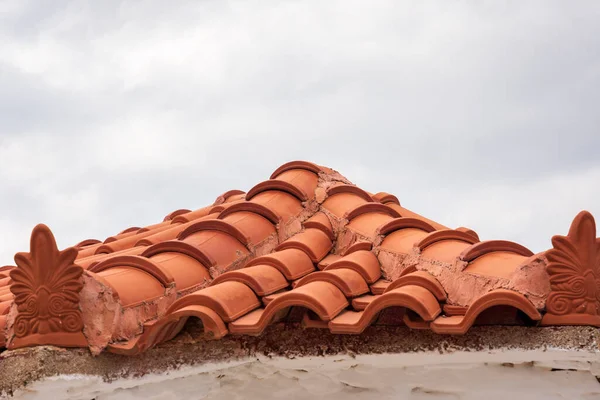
[46, 285]
[574, 269]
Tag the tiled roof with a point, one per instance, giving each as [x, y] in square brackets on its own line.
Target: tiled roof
[306, 244]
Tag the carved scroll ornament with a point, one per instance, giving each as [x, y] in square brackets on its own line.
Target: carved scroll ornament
[46, 286]
[574, 270]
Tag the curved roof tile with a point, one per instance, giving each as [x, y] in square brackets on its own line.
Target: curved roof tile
[275, 184]
[415, 298]
[214, 225]
[262, 279]
[305, 181]
[420, 278]
[321, 222]
[282, 204]
[186, 271]
[372, 208]
[339, 204]
[446, 234]
[364, 262]
[175, 213]
[344, 188]
[141, 263]
[373, 253]
[220, 247]
[229, 299]
[350, 282]
[254, 227]
[178, 246]
[403, 240]
[358, 246]
[147, 286]
[314, 242]
[384, 198]
[292, 263]
[308, 166]
[459, 324]
[481, 248]
[228, 195]
[402, 223]
[190, 216]
[255, 208]
[323, 298]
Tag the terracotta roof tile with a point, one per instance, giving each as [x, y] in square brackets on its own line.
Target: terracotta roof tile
[139, 263]
[113, 244]
[459, 324]
[262, 279]
[379, 286]
[367, 223]
[130, 229]
[87, 242]
[339, 204]
[147, 287]
[350, 282]
[446, 234]
[176, 213]
[297, 165]
[215, 225]
[323, 298]
[403, 240]
[5, 270]
[305, 240]
[282, 204]
[170, 233]
[357, 246]
[292, 263]
[321, 222]
[88, 250]
[345, 188]
[255, 208]
[364, 262]
[420, 278]
[253, 226]
[178, 246]
[410, 214]
[447, 250]
[186, 271]
[314, 242]
[385, 198]
[300, 183]
[416, 298]
[191, 216]
[230, 195]
[229, 299]
[328, 259]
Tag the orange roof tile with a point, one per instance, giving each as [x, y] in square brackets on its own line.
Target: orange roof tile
[305, 239]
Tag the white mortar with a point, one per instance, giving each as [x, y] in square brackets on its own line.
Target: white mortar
[460, 375]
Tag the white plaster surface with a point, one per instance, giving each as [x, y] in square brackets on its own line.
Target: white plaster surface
[489, 375]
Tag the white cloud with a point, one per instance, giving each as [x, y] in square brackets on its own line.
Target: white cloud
[480, 114]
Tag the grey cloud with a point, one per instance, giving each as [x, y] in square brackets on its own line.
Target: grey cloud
[114, 114]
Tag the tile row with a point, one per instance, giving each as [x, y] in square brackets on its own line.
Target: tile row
[305, 240]
[341, 289]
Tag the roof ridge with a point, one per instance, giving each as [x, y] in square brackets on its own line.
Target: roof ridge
[246, 260]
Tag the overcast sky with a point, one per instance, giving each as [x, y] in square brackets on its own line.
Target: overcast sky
[476, 114]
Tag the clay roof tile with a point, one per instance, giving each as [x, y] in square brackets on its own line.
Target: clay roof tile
[373, 256]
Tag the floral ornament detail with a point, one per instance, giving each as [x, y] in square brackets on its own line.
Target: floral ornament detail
[574, 270]
[46, 285]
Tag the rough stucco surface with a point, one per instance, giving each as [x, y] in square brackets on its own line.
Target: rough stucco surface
[462, 287]
[458, 375]
[24, 367]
